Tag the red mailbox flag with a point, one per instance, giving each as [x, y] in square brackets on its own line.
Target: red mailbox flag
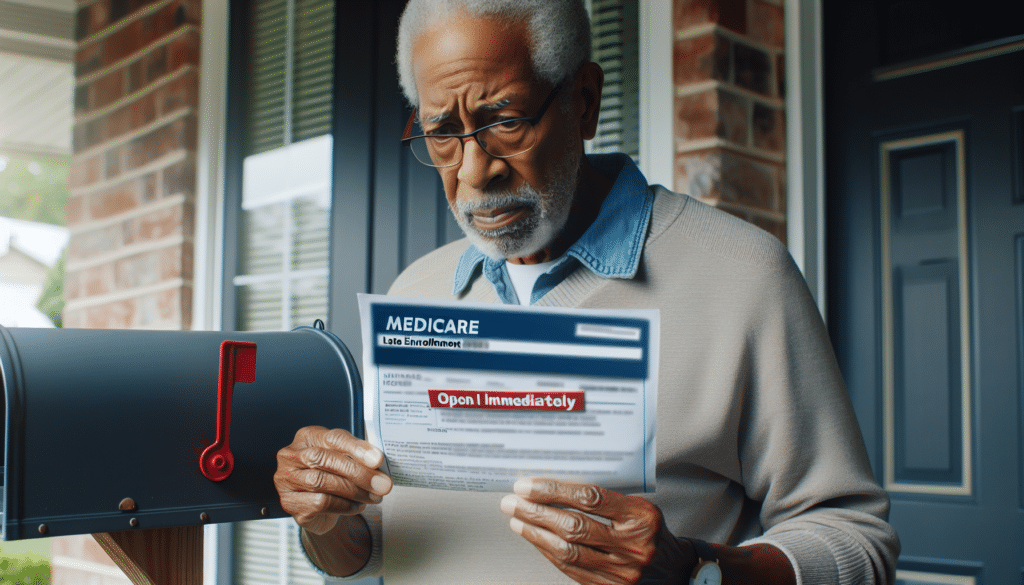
[237, 364]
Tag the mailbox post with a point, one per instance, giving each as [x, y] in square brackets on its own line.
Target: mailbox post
[143, 437]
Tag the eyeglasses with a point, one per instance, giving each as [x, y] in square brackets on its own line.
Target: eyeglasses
[503, 139]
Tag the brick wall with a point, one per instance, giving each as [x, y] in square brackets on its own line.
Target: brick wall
[132, 191]
[730, 115]
[133, 176]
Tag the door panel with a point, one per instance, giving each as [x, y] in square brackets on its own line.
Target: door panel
[926, 281]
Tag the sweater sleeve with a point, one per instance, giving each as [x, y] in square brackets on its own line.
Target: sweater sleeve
[373, 565]
[803, 455]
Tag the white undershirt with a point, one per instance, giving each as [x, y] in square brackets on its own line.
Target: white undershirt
[524, 276]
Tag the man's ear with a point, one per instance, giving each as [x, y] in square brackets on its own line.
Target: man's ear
[589, 81]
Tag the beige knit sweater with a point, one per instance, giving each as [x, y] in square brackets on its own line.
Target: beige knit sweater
[757, 439]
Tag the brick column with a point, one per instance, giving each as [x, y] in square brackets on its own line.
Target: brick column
[730, 115]
[133, 177]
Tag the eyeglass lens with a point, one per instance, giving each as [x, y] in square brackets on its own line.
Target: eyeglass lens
[500, 140]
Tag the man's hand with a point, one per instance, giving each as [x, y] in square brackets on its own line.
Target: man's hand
[632, 547]
[325, 474]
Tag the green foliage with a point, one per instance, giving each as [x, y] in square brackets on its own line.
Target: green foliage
[24, 570]
[51, 302]
[34, 188]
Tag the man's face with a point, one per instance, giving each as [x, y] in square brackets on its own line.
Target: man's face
[471, 72]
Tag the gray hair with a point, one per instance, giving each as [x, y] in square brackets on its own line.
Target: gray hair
[559, 33]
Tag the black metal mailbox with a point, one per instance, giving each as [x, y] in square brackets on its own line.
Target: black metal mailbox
[105, 430]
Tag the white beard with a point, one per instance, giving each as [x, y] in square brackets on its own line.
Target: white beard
[549, 214]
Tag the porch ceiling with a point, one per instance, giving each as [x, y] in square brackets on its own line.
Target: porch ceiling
[37, 50]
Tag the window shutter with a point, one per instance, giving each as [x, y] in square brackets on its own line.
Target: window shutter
[616, 37]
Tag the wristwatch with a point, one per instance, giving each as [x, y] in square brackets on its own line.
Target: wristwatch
[707, 571]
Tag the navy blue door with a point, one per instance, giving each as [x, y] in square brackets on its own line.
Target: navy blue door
[925, 166]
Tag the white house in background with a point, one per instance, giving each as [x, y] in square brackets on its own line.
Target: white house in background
[27, 252]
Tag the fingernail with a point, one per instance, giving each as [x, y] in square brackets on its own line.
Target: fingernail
[371, 456]
[508, 504]
[516, 525]
[376, 499]
[523, 487]
[380, 484]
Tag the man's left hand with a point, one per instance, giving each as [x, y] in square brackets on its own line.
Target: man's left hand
[631, 546]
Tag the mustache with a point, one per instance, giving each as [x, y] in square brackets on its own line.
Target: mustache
[524, 196]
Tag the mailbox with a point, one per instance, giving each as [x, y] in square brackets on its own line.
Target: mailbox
[119, 430]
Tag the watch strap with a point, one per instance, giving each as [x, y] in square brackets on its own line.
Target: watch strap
[703, 550]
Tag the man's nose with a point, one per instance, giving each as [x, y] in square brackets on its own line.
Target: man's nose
[479, 169]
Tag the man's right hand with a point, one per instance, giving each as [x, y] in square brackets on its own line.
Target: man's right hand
[325, 474]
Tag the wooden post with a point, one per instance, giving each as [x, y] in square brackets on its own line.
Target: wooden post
[157, 556]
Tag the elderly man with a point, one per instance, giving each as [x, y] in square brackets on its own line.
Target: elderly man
[758, 450]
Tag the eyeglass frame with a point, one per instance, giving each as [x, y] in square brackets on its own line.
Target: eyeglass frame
[531, 120]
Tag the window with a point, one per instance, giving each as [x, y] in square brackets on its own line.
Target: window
[284, 237]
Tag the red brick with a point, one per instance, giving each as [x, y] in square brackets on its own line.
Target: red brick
[72, 320]
[699, 174]
[107, 89]
[769, 128]
[86, 245]
[143, 111]
[148, 67]
[766, 23]
[780, 75]
[731, 14]
[183, 50]
[176, 136]
[139, 270]
[87, 134]
[93, 18]
[115, 315]
[150, 189]
[116, 199]
[115, 162]
[85, 170]
[697, 116]
[159, 224]
[88, 58]
[180, 178]
[90, 282]
[72, 285]
[753, 69]
[179, 94]
[747, 182]
[701, 58]
[175, 306]
[140, 33]
[76, 209]
[712, 114]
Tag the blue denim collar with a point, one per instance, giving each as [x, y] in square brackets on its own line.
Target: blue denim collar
[610, 247]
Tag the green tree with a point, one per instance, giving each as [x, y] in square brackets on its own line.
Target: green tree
[24, 570]
[34, 188]
[51, 302]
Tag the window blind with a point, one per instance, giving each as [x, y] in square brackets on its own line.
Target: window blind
[282, 272]
[616, 38]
